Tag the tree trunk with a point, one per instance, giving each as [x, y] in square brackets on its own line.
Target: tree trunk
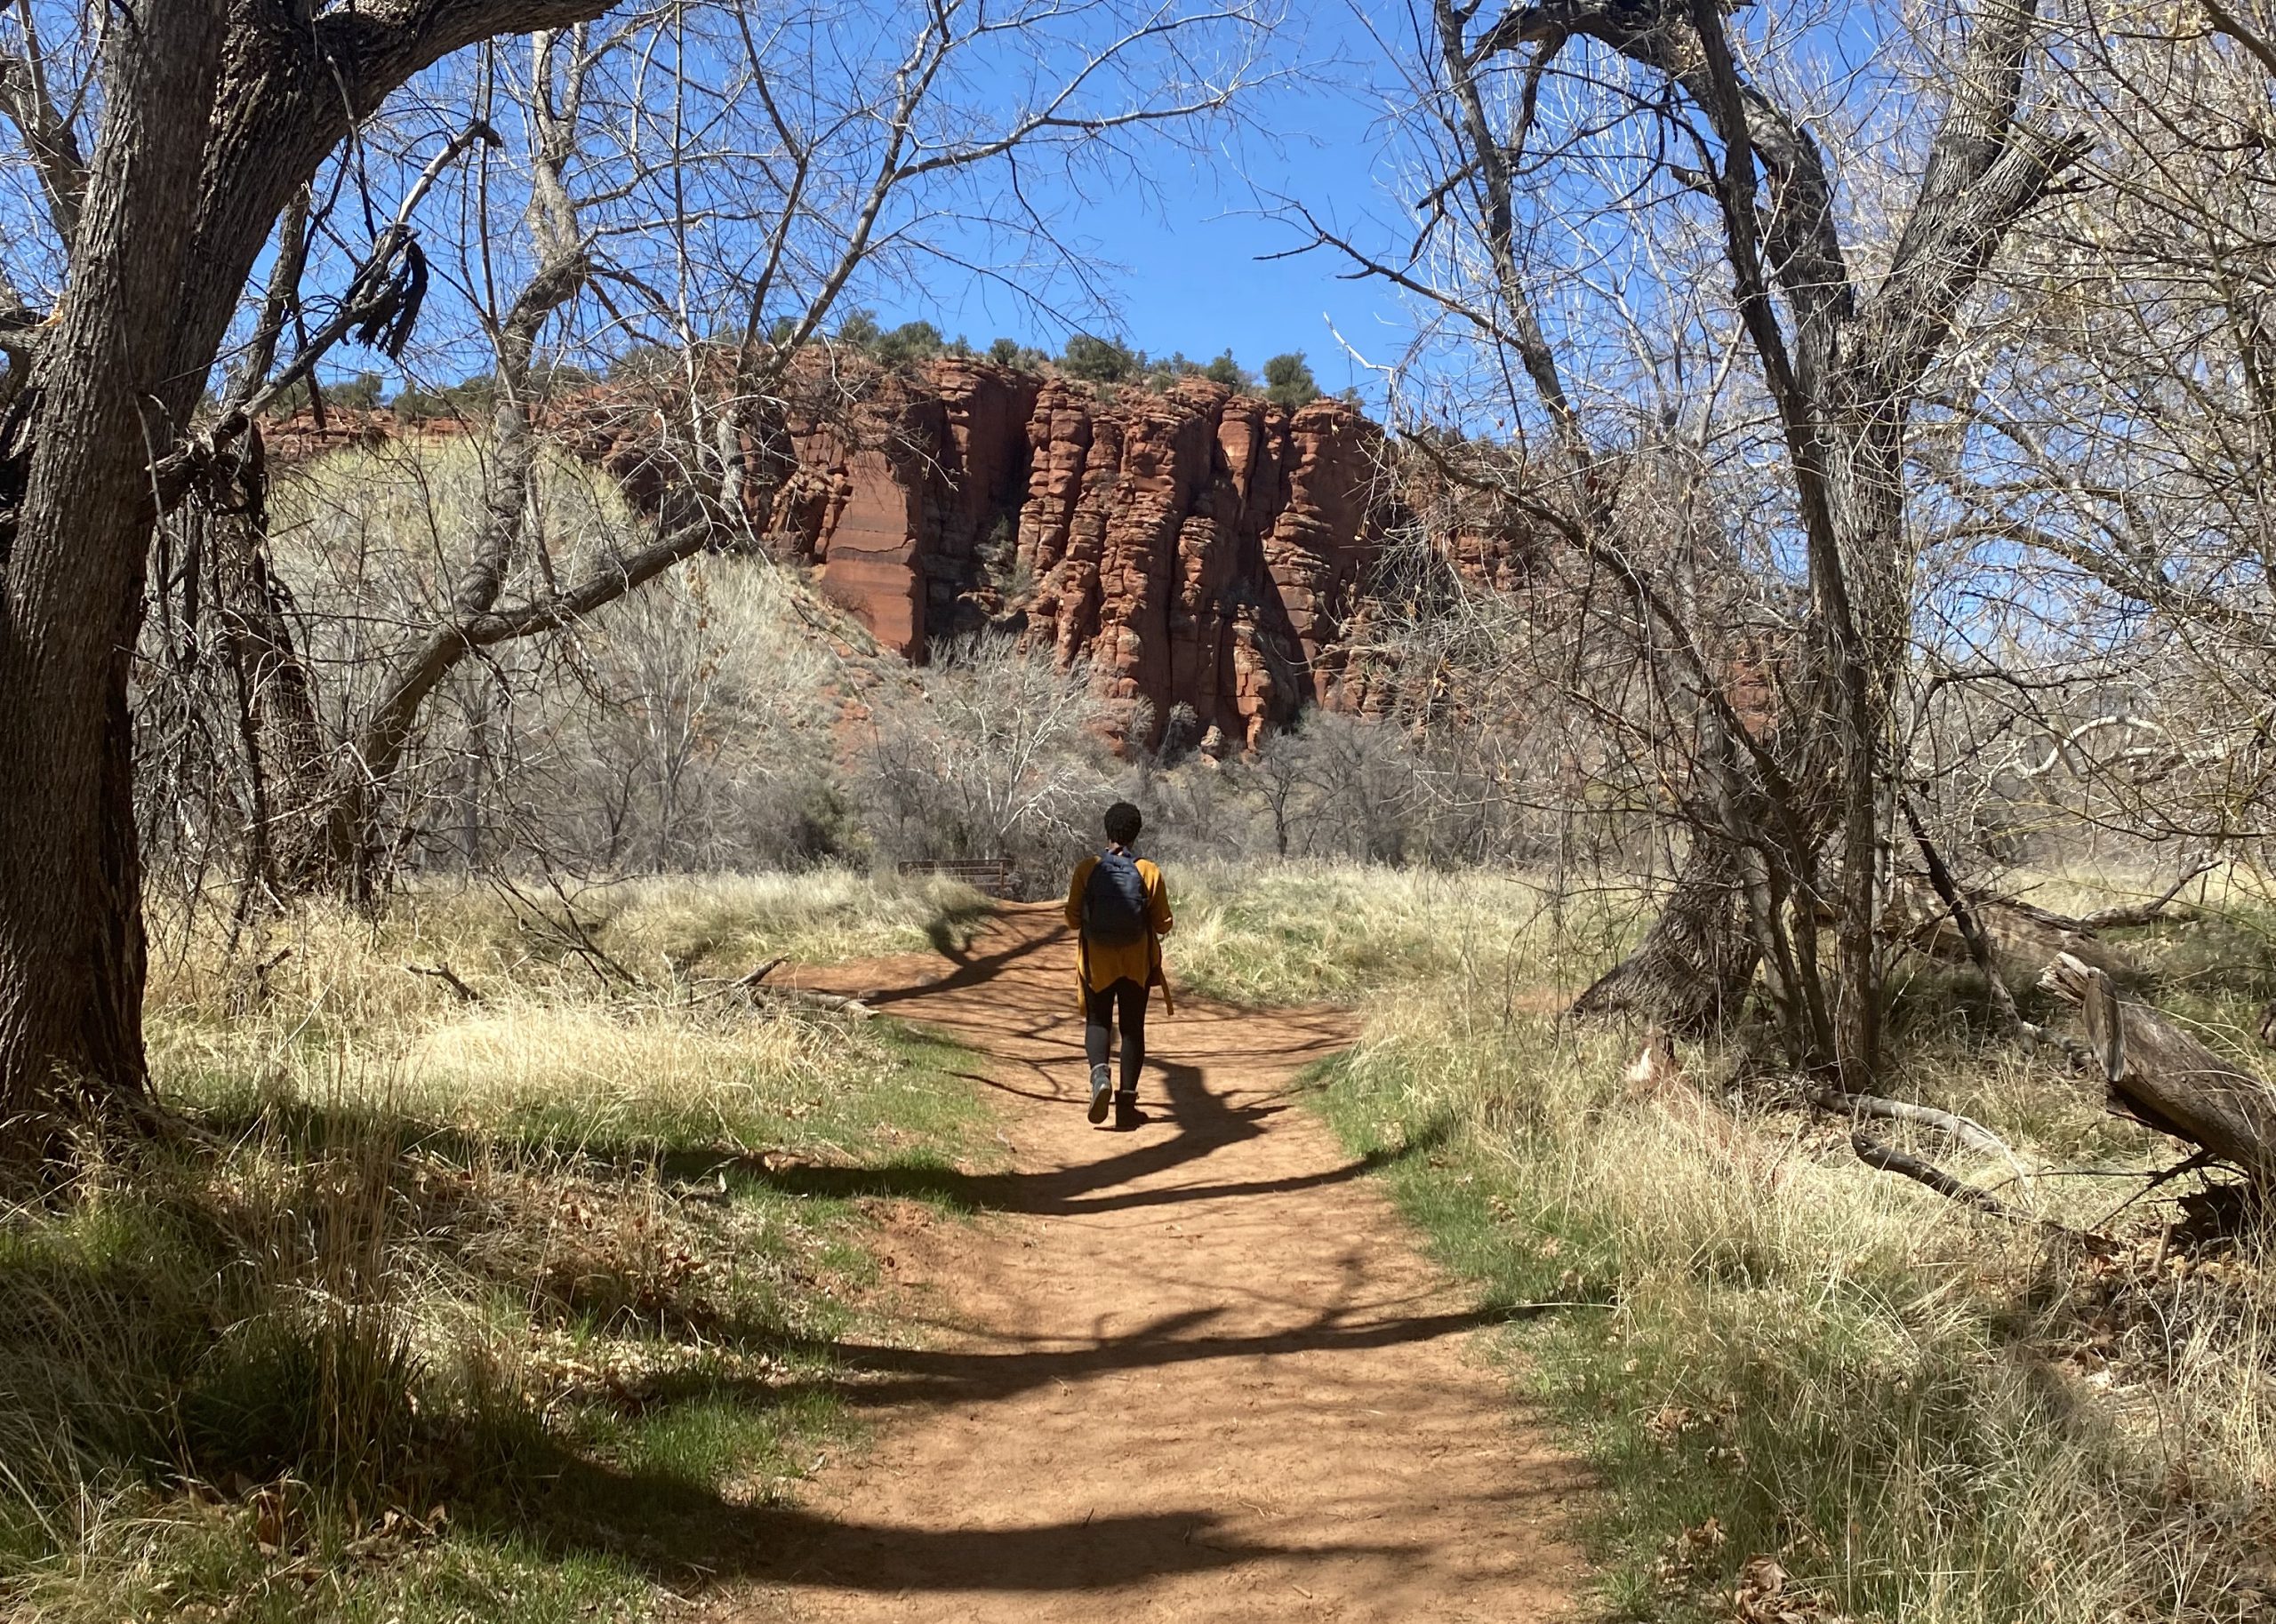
[297, 845]
[71, 944]
[2164, 1078]
[1691, 971]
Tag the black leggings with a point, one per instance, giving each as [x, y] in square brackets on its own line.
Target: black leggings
[1099, 1004]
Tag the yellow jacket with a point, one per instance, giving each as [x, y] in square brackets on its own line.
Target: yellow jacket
[1138, 961]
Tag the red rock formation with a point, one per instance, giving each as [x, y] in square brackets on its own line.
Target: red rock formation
[1199, 548]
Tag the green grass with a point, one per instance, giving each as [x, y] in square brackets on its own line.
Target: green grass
[522, 1310]
[1766, 1350]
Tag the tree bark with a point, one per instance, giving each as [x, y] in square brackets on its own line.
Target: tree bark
[1691, 971]
[71, 944]
[2165, 1079]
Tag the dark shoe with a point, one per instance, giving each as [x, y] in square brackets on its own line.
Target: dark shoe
[1102, 1091]
[1126, 1114]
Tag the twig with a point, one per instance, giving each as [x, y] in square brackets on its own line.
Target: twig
[449, 977]
[2145, 912]
[1964, 917]
[261, 969]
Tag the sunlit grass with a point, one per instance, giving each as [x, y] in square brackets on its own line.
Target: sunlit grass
[1768, 1349]
[521, 1259]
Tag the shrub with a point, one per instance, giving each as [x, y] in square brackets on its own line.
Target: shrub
[1020, 357]
[1288, 380]
[908, 344]
[360, 393]
[1096, 360]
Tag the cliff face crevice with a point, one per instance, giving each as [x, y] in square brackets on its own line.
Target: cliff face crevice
[1197, 548]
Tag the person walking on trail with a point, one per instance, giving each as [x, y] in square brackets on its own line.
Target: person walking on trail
[1119, 911]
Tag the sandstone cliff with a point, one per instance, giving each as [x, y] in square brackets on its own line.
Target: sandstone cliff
[1200, 549]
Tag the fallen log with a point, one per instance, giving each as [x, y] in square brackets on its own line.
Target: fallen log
[2165, 1079]
[827, 1003]
[2147, 913]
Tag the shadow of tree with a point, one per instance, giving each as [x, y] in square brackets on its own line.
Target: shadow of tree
[687, 1534]
[512, 1478]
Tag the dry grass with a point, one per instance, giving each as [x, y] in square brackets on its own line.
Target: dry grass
[1918, 1413]
[541, 1258]
[562, 1264]
[1305, 931]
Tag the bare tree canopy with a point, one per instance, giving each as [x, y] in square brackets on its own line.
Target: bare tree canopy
[699, 179]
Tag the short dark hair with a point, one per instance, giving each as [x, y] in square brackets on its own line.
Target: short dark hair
[1123, 822]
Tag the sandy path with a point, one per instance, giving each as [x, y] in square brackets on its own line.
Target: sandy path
[1204, 1374]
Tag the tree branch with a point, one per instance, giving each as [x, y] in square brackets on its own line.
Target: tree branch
[47, 135]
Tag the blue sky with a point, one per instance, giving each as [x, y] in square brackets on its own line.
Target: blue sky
[1189, 267]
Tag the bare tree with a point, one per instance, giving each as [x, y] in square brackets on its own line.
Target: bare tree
[2103, 487]
[838, 145]
[796, 152]
[995, 753]
[1787, 803]
[207, 117]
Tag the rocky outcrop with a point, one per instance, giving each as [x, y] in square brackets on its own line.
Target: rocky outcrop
[1204, 552]
[1209, 556]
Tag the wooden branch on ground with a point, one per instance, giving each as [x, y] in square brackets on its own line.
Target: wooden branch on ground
[2115, 918]
[835, 1003]
[749, 982]
[753, 987]
[2164, 1078]
[1963, 1130]
[750, 979]
[449, 977]
[1883, 1158]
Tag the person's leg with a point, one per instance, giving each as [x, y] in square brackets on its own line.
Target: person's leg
[1130, 997]
[1098, 1041]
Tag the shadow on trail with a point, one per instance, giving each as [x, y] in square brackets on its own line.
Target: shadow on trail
[1203, 1124]
[683, 1531]
[970, 969]
[1039, 1008]
[1066, 1194]
[686, 1533]
[901, 1375]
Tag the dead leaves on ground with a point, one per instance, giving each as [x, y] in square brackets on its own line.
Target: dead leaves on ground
[1766, 1591]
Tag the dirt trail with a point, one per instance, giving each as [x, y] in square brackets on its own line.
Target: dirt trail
[1203, 1375]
